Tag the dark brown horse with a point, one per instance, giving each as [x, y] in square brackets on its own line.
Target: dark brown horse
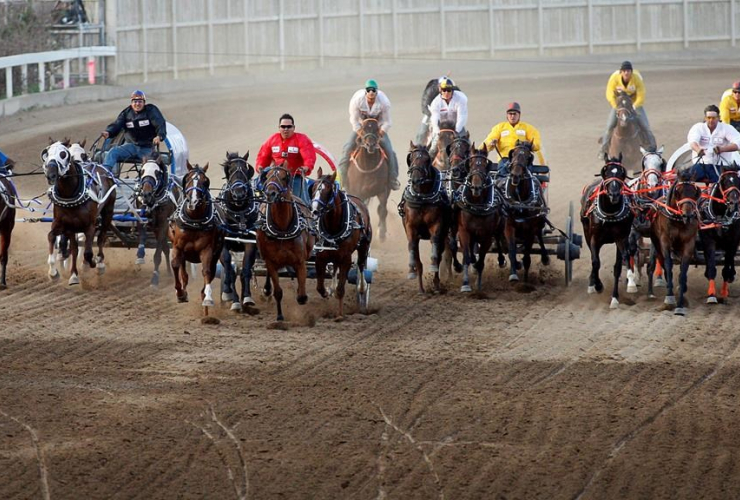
[721, 208]
[606, 216]
[674, 231]
[342, 226]
[367, 176]
[239, 212]
[457, 154]
[158, 197]
[479, 220]
[626, 137]
[525, 208]
[445, 139]
[81, 194]
[195, 234]
[8, 199]
[426, 212]
[283, 240]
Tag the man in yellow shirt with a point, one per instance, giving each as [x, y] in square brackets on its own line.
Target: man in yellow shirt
[503, 137]
[729, 108]
[631, 82]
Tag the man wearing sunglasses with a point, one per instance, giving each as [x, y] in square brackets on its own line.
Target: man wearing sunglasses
[450, 106]
[370, 103]
[504, 136]
[729, 108]
[143, 126]
[291, 150]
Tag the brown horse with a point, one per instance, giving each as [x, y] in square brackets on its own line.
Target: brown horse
[283, 240]
[81, 193]
[426, 212]
[158, 198]
[626, 137]
[525, 208]
[607, 216]
[367, 175]
[8, 198]
[674, 231]
[722, 209]
[479, 219]
[457, 155]
[342, 225]
[195, 234]
[445, 138]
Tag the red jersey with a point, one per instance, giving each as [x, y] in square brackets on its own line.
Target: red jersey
[293, 153]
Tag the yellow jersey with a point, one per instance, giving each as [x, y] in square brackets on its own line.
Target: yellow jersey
[506, 136]
[729, 110]
[635, 88]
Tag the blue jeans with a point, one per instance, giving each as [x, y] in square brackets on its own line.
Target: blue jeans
[120, 153]
[701, 172]
[300, 189]
[503, 168]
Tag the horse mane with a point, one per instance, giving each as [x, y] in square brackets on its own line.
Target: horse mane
[447, 124]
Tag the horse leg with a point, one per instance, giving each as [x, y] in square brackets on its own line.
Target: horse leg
[416, 262]
[179, 269]
[510, 233]
[88, 251]
[272, 276]
[141, 250]
[633, 259]
[710, 271]
[659, 279]
[670, 298]
[301, 275]
[467, 257]
[4, 244]
[106, 222]
[410, 237]
[683, 279]
[363, 249]
[250, 254]
[728, 271]
[344, 267]
[438, 247]
[383, 214]
[209, 261]
[527, 259]
[543, 250]
[228, 279]
[621, 250]
[481, 263]
[594, 283]
[74, 249]
[53, 272]
[321, 275]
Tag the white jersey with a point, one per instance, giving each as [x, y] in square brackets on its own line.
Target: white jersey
[722, 135]
[455, 111]
[381, 110]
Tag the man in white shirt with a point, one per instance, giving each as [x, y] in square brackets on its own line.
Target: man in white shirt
[714, 142]
[450, 106]
[370, 103]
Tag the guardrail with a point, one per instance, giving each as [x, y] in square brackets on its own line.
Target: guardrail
[40, 59]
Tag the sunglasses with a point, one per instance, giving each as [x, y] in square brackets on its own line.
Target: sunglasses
[370, 89]
[444, 91]
[736, 91]
[286, 127]
[135, 101]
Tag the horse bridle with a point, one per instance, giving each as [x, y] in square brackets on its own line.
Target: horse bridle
[457, 161]
[614, 178]
[516, 153]
[192, 177]
[425, 169]
[271, 180]
[240, 167]
[686, 200]
[487, 179]
[364, 137]
[324, 206]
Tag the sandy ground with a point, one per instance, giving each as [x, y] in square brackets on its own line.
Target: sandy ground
[114, 390]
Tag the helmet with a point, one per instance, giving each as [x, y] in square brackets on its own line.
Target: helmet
[736, 86]
[371, 84]
[626, 65]
[138, 94]
[446, 83]
[514, 106]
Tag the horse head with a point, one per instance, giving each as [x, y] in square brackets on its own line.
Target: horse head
[324, 193]
[421, 171]
[153, 173]
[238, 174]
[613, 177]
[684, 198]
[196, 192]
[56, 160]
[653, 167]
[369, 134]
[625, 108]
[77, 150]
[729, 188]
[520, 159]
[457, 154]
[445, 137]
[277, 184]
[479, 169]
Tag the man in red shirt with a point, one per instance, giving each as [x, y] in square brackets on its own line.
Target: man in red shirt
[290, 150]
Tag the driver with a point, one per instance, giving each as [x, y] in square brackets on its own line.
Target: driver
[143, 124]
[291, 150]
[6, 164]
[729, 107]
[714, 142]
[504, 136]
[370, 103]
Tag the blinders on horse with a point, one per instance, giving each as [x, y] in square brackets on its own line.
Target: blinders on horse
[56, 160]
[479, 167]
[195, 193]
[420, 166]
[277, 182]
[369, 135]
[238, 172]
[324, 192]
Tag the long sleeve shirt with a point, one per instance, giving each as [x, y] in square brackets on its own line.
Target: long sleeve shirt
[380, 110]
[455, 111]
[140, 128]
[506, 136]
[729, 110]
[292, 153]
[722, 135]
[635, 88]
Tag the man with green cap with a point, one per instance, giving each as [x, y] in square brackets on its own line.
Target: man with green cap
[370, 102]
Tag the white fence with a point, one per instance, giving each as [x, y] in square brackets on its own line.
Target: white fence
[162, 39]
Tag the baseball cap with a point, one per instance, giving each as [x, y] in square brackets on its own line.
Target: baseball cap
[514, 106]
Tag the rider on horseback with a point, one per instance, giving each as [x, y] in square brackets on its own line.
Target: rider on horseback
[729, 107]
[143, 125]
[449, 105]
[430, 92]
[370, 103]
[629, 81]
[290, 150]
[504, 136]
[6, 164]
[714, 141]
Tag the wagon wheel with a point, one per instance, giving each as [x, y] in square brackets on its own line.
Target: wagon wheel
[569, 234]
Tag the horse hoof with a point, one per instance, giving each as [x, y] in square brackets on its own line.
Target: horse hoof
[680, 311]
[281, 317]
[139, 261]
[3, 286]
[236, 306]
[411, 276]
[591, 289]
[466, 289]
[659, 283]
[55, 276]
[546, 260]
[712, 299]
[614, 304]
[670, 300]
[513, 277]
[101, 269]
[248, 301]
[631, 289]
[302, 299]
[182, 298]
[208, 303]
[73, 280]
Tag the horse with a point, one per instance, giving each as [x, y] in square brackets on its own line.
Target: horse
[525, 209]
[80, 193]
[478, 214]
[284, 239]
[343, 224]
[674, 231]
[606, 215]
[626, 137]
[648, 187]
[457, 154]
[722, 208]
[238, 211]
[8, 198]
[195, 234]
[445, 138]
[367, 175]
[158, 196]
[426, 212]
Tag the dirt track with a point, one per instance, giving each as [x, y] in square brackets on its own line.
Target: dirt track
[113, 390]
